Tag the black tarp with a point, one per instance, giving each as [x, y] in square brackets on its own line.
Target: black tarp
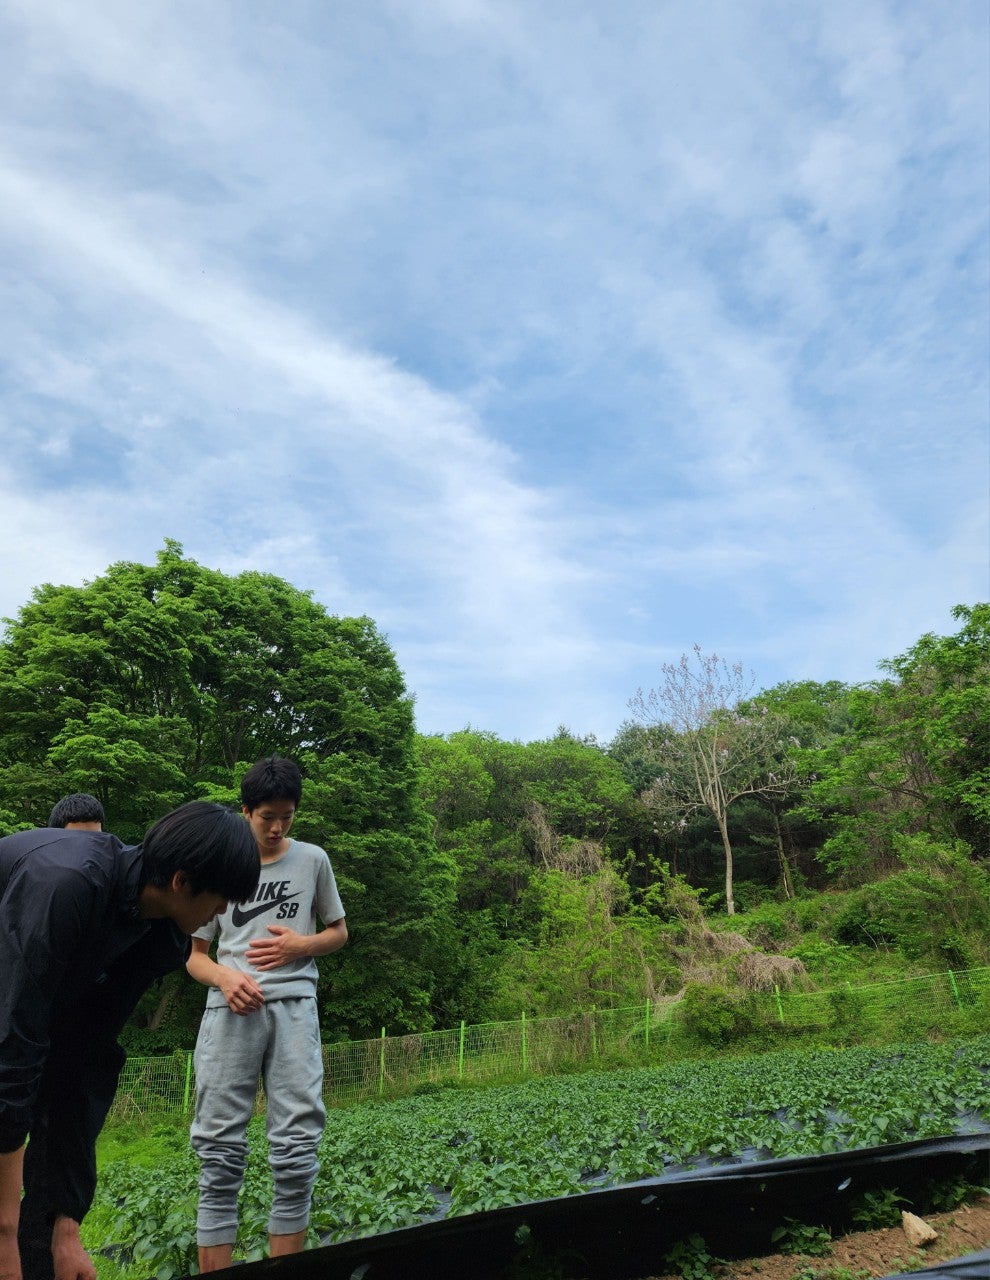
[623, 1233]
[974, 1266]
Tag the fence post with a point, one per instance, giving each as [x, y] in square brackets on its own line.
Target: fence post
[646, 1027]
[524, 1063]
[780, 1006]
[594, 1031]
[188, 1088]
[381, 1065]
[460, 1054]
[955, 989]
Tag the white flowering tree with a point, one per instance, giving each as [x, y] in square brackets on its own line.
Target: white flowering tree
[714, 745]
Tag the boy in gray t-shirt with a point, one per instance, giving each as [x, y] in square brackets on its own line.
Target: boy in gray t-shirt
[261, 1023]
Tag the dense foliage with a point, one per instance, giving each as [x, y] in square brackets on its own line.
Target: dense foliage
[846, 828]
[915, 756]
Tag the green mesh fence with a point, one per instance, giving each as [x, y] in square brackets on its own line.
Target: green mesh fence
[907, 1005]
[149, 1086]
[651, 1032]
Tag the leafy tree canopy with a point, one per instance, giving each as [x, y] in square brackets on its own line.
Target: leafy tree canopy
[915, 755]
[155, 684]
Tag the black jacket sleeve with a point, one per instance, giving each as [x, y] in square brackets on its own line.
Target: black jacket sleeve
[47, 912]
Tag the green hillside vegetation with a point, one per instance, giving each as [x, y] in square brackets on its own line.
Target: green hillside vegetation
[811, 834]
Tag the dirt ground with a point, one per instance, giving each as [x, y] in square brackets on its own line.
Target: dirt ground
[874, 1253]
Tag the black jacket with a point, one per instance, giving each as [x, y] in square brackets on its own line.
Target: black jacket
[75, 958]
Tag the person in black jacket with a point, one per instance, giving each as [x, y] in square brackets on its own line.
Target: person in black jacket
[87, 924]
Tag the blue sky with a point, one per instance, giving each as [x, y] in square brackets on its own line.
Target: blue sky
[556, 337]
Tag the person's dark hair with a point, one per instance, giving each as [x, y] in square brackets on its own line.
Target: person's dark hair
[78, 807]
[212, 844]
[274, 778]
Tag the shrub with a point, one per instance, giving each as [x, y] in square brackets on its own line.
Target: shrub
[752, 895]
[716, 1015]
[937, 908]
[770, 924]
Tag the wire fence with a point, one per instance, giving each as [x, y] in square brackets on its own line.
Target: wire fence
[389, 1066]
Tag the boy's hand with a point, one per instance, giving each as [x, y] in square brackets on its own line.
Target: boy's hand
[242, 993]
[271, 953]
[70, 1259]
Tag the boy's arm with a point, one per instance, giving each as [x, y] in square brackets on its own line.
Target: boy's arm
[330, 939]
[11, 1166]
[240, 990]
[285, 944]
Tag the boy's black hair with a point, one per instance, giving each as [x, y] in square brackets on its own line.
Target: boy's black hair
[212, 844]
[78, 807]
[274, 778]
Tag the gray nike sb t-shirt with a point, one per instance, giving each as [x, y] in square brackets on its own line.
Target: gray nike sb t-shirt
[296, 890]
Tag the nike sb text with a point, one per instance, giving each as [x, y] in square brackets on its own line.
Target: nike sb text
[270, 897]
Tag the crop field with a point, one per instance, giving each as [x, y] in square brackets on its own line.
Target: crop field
[455, 1151]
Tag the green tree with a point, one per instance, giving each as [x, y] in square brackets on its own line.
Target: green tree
[158, 683]
[508, 814]
[936, 909]
[940, 719]
[484, 794]
[581, 787]
[810, 715]
[635, 747]
[472, 785]
[915, 756]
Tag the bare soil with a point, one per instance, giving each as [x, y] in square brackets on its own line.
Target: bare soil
[873, 1253]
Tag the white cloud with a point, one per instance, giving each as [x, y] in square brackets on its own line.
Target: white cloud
[556, 339]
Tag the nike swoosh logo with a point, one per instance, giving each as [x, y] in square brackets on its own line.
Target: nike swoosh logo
[239, 917]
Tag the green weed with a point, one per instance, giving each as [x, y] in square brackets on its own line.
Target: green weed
[949, 1193]
[690, 1259]
[799, 1237]
[878, 1209]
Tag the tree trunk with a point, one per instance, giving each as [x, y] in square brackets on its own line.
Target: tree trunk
[169, 990]
[785, 870]
[723, 826]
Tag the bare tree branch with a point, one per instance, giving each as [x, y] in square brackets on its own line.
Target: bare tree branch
[718, 746]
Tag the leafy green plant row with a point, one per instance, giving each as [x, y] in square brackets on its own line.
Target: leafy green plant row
[453, 1151]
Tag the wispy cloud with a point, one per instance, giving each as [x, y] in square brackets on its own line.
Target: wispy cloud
[555, 339]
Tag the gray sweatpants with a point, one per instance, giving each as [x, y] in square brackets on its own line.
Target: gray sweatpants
[280, 1045]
